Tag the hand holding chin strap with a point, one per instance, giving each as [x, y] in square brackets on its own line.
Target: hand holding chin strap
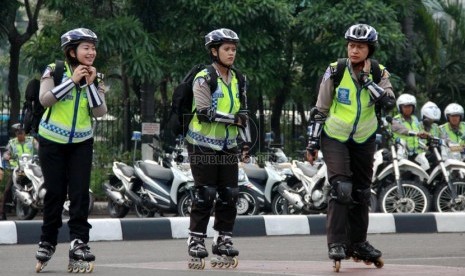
[317, 121]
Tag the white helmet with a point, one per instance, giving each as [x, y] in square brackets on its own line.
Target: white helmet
[430, 110]
[406, 99]
[453, 109]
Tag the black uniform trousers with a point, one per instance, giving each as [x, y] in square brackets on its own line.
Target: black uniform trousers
[66, 169]
[217, 169]
[348, 161]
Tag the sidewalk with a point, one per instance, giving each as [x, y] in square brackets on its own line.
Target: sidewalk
[106, 229]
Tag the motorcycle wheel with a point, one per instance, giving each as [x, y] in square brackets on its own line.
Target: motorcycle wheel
[116, 210]
[247, 204]
[416, 199]
[280, 206]
[24, 212]
[65, 212]
[184, 205]
[443, 198]
[143, 212]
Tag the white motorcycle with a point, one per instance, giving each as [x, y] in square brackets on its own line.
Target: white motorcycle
[399, 181]
[309, 195]
[447, 178]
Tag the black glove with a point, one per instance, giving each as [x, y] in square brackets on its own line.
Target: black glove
[241, 119]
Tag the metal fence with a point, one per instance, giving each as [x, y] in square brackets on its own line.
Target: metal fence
[109, 129]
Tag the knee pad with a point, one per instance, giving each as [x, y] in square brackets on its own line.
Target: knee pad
[363, 196]
[204, 196]
[228, 196]
[341, 191]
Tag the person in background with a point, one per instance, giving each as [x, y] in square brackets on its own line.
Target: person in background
[16, 147]
[453, 131]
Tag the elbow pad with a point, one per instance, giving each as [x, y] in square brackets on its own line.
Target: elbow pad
[317, 121]
[210, 116]
[61, 90]
[93, 96]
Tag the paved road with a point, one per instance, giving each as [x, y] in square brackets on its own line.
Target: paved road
[404, 254]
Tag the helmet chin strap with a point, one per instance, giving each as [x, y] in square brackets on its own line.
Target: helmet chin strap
[219, 62]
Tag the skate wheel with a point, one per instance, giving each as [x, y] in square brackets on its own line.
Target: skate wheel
[40, 266]
[90, 267]
[337, 266]
[202, 264]
[367, 262]
[379, 263]
[213, 263]
[235, 262]
[70, 268]
[75, 268]
[220, 264]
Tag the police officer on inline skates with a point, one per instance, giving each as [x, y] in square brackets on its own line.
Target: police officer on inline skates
[66, 145]
[344, 124]
[213, 153]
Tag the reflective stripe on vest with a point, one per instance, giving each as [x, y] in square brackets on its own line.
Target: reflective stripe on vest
[217, 136]
[351, 115]
[69, 120]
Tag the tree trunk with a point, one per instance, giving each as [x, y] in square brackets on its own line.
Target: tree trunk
[276, 109]
[16, 41]
[407, 25]
[126, 111]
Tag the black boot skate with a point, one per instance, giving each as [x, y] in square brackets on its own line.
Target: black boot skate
[44, 254]
[80, 258]
[197, 250]
[337, 252]
[365, 252]
[226, 254]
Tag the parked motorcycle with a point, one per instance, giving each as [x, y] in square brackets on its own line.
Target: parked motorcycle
[29, 191]
[399, 181]
[447, 179]
[308, 195]
[265, 183]
[247, 202]
[147, 186]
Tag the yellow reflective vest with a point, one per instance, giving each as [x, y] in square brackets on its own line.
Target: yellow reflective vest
[68, 120]
[214, 135]
[350, 116]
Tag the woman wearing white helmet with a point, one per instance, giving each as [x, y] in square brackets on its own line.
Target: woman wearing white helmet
[453, 131]
[430, 115]
[406, 122]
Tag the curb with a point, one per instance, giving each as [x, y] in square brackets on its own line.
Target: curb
[28, 232]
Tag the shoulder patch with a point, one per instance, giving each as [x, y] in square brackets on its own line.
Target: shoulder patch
[327, 74]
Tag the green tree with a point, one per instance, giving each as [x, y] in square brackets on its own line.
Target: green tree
[17, 38]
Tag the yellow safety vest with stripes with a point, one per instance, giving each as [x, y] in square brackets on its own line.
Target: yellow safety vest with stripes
[214, 135]
[351, 115]
[68, 120]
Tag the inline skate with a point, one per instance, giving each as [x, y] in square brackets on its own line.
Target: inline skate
[226, 254]
[365, 252]
[80, 257]
[337, 252]
[197, 250]
[44, 254]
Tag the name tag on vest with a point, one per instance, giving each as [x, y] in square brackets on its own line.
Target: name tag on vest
[343, 95]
